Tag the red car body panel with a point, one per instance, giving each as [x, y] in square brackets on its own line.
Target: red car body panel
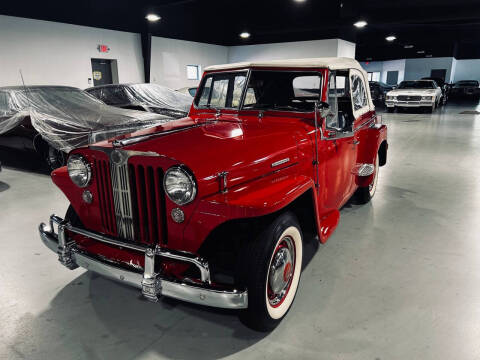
[245, 145]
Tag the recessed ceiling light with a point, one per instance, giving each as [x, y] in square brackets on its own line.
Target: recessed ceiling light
[360, 24]
[421, 52]
[408, 46]
[428, 55]
[390, 38]
[299, 1]
[152, 17]
[245, 35]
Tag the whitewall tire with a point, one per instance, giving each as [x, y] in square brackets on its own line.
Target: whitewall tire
[269, 267]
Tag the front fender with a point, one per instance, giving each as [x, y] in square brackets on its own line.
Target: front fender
[261, 197]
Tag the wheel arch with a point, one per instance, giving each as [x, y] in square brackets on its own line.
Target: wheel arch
[382, 153]
[225, 240]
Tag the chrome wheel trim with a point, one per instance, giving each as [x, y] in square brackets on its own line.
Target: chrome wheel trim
[278, 311]
[373, 185]
[281, 270]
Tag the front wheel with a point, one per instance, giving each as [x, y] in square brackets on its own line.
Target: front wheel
[269, 267]
[364, 194]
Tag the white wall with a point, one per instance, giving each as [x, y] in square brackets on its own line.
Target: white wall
[417, 68]
[170, 58]
[385, 66]
[291, 50]
[467, 70]
[60, 54]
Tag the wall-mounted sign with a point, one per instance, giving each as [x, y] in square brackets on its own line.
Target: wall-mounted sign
[103, 48]
[97, 75]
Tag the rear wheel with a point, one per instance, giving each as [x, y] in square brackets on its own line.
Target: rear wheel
[269, 267]
[364, 194]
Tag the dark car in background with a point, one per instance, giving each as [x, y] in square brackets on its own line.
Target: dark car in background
[52, 120]
[466, 89]
[443, 86]
[144, 97]
[378, 91]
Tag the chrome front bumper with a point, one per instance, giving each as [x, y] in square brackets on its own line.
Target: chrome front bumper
[152, 284]
[409, 103]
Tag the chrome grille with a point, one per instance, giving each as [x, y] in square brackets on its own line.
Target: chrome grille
[409, 98]
[122, 201]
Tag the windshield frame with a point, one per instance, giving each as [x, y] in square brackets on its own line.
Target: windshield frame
[313, 71]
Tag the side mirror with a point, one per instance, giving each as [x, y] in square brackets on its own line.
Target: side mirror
[323, 108]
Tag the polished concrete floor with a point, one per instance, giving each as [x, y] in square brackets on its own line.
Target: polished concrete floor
[399, 279]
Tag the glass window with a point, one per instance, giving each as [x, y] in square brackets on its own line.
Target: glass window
[193, 72]
[282, 90]
[359, 95]
[306, 86]
[223, 90]
[205, 93]
[332, 118]
[238, 85]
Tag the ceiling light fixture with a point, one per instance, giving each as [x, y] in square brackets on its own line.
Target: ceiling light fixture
[428, 55]
[408, 46]
[299, 1]
[421, 52]
[390, 38]
[152, 17]
[360, 24]
[245, 35]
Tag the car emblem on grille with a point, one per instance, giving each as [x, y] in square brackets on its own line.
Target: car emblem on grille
[118, 157]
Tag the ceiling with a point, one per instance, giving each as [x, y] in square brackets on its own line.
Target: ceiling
[439, 27]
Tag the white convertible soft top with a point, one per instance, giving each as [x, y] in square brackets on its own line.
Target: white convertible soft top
[332, 63]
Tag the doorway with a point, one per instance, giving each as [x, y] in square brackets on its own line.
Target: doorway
[439, 73]
[392, 77]
[104, 72]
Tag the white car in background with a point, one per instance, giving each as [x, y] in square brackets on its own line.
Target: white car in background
[425, 94]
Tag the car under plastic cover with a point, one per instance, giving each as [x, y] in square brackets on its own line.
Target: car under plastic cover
[67, 117]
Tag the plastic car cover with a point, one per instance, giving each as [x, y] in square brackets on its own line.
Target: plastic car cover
[158, 98]
[69, 117]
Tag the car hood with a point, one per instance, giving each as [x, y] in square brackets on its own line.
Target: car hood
[409, 92]
[244, 149]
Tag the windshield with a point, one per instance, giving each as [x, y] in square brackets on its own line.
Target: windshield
[416, 85]
[467, 83]
[266, 90]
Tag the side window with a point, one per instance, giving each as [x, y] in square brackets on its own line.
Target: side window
[341, 114]
[332, 118]
[359, 95]
[238, 85]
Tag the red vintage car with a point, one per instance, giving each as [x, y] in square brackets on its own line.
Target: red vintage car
[211, 209]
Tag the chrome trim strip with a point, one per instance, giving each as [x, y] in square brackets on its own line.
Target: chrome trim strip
[152, 284]
[280, 162]
[136, 139]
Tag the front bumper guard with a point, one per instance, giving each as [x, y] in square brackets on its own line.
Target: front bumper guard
[152, 284]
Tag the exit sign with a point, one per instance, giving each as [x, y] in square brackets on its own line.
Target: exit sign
[103, 48]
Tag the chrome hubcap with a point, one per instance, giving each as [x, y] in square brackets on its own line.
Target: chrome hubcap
[281, 271]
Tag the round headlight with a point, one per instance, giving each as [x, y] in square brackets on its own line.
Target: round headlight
[79, 170]
[179, 185]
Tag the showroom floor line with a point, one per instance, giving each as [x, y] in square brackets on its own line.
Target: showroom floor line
[399, 279]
